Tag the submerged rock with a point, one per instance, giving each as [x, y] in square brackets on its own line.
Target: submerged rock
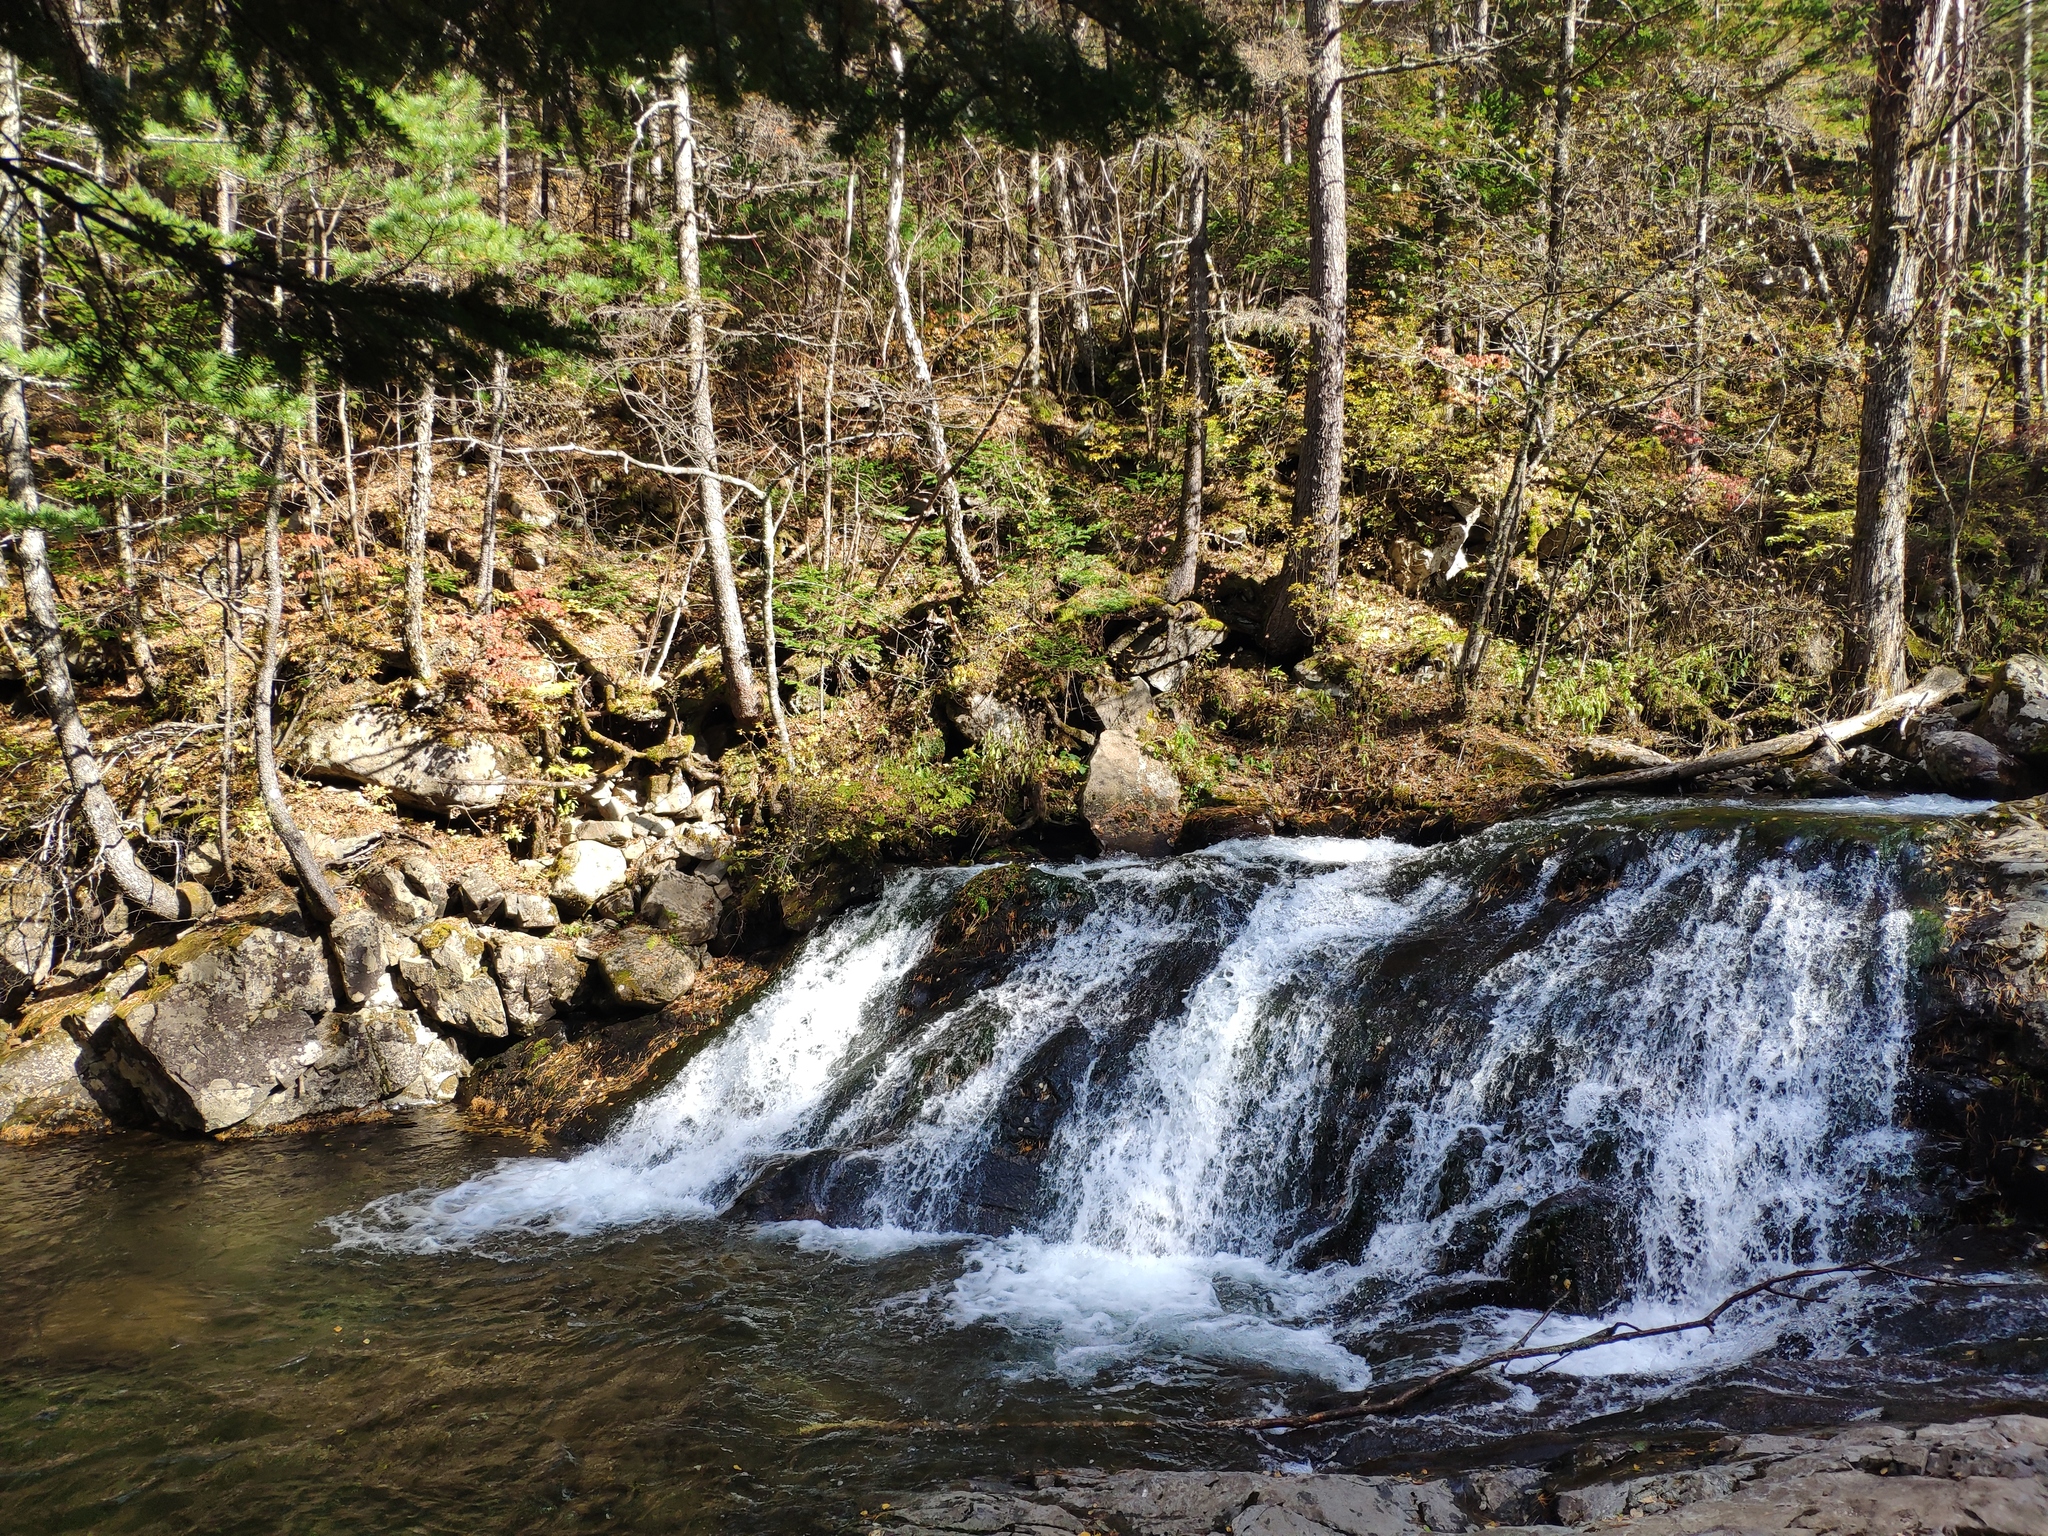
[427, 767]
[1578, 1251]
[990, 921]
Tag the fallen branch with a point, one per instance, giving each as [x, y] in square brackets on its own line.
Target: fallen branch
[1422, 1386]
[1941, 684]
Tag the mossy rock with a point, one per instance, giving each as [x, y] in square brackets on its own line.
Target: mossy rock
[991, 921]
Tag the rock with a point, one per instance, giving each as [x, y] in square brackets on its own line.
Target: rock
[584, 874]
[683, 907]
[366, 949]
[1131, 802]
[986, 721]
[2015, 713]
[427, 882]
[41, 1093]
[703, 806]
[1161, 650]
[649, 974]
[353, 1061]
[1610, 754]
[1208, 825]
[537, 979]
[449, 982]
[1407, 566]
[986, 928]
[1976, 769]
[1576, 1251]
[476, 892]
[1875, 772]
[1120, 707]
[429, 768]
[392, 897]
[702, 842]
[528, 911]
[225, 1024]
[656, 827]
[203, 864]
[613, 834]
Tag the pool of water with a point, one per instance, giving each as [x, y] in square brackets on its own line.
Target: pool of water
[187, 1349]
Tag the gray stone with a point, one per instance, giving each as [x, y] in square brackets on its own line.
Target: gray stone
[537, 979]
[584, 874]
[649, 974]
[611, 833]
[1160, 651]
[684, 907]
[1131, 802]
[429, 767]
[476, 892]
[2015, 713]
[449, 982]
[366, 948]
[1968, 765]
[27, 907]
[702, 841]
[41, 1091]
[987, 721]
[1120, 707]
[528, 911]
[427, 882]
[391, 896]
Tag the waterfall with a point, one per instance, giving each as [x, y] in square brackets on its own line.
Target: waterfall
[1251, 1104]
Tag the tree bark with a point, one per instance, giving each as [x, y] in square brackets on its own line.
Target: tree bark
[316, 895]
[1907, 40]
[417, 505]
[832, 356]
[2026, 338]
[1072, 277]
[494, 481]
[131, 600]
[1313, 547]
[742, 696]
[1187, 552]
[1034, 274]
[945, 486]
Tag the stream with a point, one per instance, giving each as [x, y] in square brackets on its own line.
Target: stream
[1237, 1133]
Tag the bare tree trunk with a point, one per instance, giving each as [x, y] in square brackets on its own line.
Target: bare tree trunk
[417, 505]
[1072, 277]
[1314, 544]
[1907, 39]
[741, 694]
[226, 210]
[31, 552]
[1034, 274]
[1187, 552]
[832, 355]
[2026, 339]
[348, 464]
[230, 578]
[494, 481]
[317, 896]
[131, 597]
[944, 485]
[768, 533]
[1696, 426]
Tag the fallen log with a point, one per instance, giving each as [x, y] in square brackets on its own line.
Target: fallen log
[1938, 686]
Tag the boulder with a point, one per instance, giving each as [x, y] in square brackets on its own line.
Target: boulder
[428, 767]
[683, 907]
[987, 721]
[537, 979]
[649, 974]
[449, 982]
[1161, 650]
[2015, 713]
[27, 910]
[227, 1021]
[528, 911]
[366, 948]
[41, 1093]
[1967, 765]
[1877, 772]
[392, 897]
[702, 841]
[477, 893]
[584, 874]
[354, 1061]
[1578, 1251]
[1131, 802]
[427, 882]
[1213, 824]
[1119, 706]
[614, 834]
[1610, 754]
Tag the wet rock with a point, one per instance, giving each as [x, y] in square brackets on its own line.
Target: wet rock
[227, 1019]
[991, 921]
[1212, 824]
[1976, 769]
[1131, 801]
[1877, 772]
[2015, 713]
[428, 767]
[537, 979]
[449, 982]
[1577, 1251]
[584, 873]
[651, 973]
[1610, 754]
[683, 907]
[41, 1093]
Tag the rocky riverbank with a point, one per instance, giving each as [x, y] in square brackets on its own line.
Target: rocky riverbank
[1986, 1476]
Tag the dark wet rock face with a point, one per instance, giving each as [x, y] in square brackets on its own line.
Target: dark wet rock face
[991, 920]
[1578, 1252]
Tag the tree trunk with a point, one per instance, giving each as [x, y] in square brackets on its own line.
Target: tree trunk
[316, 895]
[230, 578]
[832, 356]
[1072, 277]
[1907, 40]
[741, 693]
[944, 486]
[131, 601]
[417, 505]
[31, 553]
[2025, 339]
[1034, 274]
[494, 481]
[768, 533]
[1187, 552]
[1313, 547]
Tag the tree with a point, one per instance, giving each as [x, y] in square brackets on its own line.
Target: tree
[1187, 548]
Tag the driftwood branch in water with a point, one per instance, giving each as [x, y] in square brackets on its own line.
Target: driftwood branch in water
[1940, 684]
[1412, 1391]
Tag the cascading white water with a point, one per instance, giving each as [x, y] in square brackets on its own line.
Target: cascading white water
[1244, 1105]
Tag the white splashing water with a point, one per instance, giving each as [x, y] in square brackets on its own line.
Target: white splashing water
[1719, 1036]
